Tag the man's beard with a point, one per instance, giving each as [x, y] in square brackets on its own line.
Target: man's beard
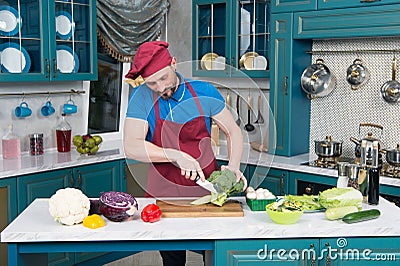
[172, 88]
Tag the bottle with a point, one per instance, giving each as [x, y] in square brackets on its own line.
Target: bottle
[373, 177]
[63, 135]
[342, 175]
[11, 145]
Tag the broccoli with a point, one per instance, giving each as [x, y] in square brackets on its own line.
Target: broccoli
[226, 183]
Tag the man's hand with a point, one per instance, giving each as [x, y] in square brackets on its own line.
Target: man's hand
[238, 173]
[189, 166]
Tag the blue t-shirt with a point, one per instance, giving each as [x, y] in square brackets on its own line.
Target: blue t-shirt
[180, 108]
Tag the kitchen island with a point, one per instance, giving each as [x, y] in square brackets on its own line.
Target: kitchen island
[253, 238]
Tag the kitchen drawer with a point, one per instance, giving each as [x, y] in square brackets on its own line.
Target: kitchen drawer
[331, 4]
[282, 6]
[374, 21]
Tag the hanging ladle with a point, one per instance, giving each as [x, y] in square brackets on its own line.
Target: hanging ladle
[248, 127]
[260, 118]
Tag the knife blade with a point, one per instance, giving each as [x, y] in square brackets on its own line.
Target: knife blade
[207, 185]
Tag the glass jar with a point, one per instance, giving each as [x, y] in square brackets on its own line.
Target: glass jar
[36, 143]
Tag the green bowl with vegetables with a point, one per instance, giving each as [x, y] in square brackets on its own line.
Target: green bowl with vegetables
[284, 211]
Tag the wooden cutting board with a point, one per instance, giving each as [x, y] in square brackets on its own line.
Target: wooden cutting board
[183, 209]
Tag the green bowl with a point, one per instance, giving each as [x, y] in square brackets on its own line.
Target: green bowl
[283, 217]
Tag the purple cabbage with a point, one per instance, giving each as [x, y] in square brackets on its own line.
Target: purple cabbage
[117, 206]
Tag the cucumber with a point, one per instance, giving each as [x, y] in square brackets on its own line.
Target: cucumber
[360, 216]
[339, 212]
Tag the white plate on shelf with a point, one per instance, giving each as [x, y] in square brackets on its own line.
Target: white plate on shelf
[14, 58]
[67, 59]
[260, 63]
[10, 21]
[64, 25]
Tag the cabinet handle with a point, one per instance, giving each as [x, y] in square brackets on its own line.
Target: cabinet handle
[282, 184]
[328, 257]
[314, 256]
[79, 180]
[72, 181]
[54, 68]
[285, 85]
[47, 68]
[369, 1]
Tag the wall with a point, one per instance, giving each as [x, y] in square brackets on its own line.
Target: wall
[36, 123]
[340, 113]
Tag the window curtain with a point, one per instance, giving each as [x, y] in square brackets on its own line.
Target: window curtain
[123, 25]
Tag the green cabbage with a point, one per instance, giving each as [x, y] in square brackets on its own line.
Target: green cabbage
[339, 197]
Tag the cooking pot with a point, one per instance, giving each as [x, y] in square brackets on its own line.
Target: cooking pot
[357, 75]
[328, 147]
[390, 90]
[317, 80]
[393, 156]
[369, 138]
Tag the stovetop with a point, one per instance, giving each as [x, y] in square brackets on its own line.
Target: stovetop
[329, 162]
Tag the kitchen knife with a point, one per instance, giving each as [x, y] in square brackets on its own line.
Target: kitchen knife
[207, 185]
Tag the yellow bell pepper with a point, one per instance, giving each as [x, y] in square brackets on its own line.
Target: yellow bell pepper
[93, 221]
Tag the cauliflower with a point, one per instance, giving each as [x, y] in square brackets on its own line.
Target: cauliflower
[69, 206]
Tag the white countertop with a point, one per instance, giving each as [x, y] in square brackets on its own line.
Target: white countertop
[113, 150]
[36, 224]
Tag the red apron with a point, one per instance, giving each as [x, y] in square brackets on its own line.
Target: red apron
[165, 179]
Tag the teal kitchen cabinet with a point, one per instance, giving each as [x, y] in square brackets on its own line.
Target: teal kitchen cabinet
[348, 23]
[309, 184]
[227, 36]
[264, 252]
[331, 4]
[290, 108]
[8, 210]
[275, 180]
[92, 179]
[283, 6]
[49, 41]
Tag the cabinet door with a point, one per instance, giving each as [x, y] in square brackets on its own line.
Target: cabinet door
[274, 180]
[331, 4]
[301, 183]
[282, 6]
[97, 178]
[265, 252]
[291, 109]
[73, 41]
[41, 185]
[360, 251]
[23, 46]
[8, 210]
[250, 38]
[211, 32]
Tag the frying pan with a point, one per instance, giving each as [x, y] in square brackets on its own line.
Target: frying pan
[390, 90]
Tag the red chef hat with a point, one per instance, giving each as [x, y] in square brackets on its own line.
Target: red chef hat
[149, 58]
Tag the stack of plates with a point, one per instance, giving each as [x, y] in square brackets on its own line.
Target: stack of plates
[211, 61]
[67, 59]
[253, 61]
[14, 58]
[10, 21]
[65, 26]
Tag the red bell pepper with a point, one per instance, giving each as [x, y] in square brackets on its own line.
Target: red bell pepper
[151, 213]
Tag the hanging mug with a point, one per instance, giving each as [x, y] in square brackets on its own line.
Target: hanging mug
[22, 110]
[47, 109]
[70, 107]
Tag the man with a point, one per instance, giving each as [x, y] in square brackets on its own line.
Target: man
[168, 124]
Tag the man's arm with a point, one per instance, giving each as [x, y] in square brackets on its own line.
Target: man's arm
[137, 148]
[234, 137]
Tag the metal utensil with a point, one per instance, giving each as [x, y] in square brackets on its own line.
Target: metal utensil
[207, 185]
[237, 109]
[248, 127]
[260, 118]
[390, 90]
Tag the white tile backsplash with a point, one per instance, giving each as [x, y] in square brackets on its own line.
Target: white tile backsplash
[37, 123]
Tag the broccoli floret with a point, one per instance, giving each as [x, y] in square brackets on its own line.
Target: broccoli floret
[226, 181]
